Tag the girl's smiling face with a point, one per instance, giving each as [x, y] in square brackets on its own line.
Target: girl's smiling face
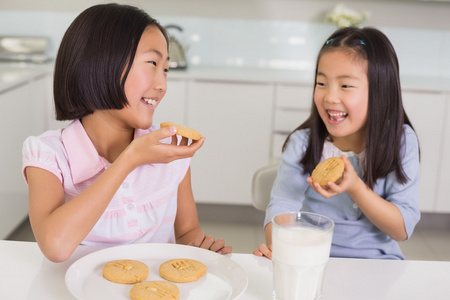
[341, 96]
[146, 83]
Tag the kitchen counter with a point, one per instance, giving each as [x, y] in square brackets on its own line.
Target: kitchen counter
[15, 73]
[291, 77]
[248, 75]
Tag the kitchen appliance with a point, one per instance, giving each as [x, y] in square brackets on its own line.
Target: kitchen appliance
[176, 49]
[20, 48]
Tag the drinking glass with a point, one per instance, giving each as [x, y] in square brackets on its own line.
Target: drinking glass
[301, 243]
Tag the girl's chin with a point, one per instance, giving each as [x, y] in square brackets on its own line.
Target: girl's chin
[144, 125]
[336, 132]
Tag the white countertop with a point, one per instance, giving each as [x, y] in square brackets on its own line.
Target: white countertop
[248, 75]
[26, 274]
[15, 73]
[255, 75]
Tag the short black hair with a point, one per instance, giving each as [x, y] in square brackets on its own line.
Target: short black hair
[95, 57]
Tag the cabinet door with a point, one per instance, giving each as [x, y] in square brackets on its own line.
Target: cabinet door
[22, 115]
[236, 121]
[292, 107]
[443, 196]
[426, 111]
[172, 106]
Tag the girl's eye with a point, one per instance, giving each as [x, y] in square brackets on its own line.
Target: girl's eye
[154, 63]
[320, 84]
[346, 86]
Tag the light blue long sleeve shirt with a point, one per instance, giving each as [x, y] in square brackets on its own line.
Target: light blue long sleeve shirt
[354, 235]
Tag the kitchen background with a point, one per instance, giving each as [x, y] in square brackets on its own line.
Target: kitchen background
[264, 51]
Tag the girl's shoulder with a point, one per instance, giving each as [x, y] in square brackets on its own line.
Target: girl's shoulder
[409, 135]
[50, 143]
[50, 140]
[45, 151]
[407, 130]
[297, 142]
[300, 136]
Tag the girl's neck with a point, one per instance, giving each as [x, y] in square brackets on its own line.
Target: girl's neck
[108, 137]
[349, 143]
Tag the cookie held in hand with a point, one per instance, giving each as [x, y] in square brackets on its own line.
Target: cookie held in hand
[330, 169]
[183, 131]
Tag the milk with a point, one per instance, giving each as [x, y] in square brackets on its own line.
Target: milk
[300, 254]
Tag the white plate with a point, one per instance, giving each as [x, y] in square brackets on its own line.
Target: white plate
[224, 279]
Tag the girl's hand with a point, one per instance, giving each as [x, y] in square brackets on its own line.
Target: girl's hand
[148, 149]
[349, 181]
[208, 242]
[264, 250]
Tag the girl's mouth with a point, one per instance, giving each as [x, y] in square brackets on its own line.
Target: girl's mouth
[336, 116]
[151, 102]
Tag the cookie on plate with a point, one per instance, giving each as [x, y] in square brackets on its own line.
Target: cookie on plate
[330, 169]
[183, 131]
[182, 270]
[154, 290]
[125, 271]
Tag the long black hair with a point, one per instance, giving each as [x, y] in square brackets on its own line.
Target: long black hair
[386, 114]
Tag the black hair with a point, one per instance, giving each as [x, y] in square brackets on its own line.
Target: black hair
[95, 57]
[386, 114]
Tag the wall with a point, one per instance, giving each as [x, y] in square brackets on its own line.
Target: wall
[279, 34]
[406, 14]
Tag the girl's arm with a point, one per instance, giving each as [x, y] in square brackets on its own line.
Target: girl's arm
[60, 227]
[383, 214]
[187, 227]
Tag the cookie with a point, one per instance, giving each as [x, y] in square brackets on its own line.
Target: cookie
[182, 270]
[125, 271]
[330, 169]
[183, 130]
[154, 290]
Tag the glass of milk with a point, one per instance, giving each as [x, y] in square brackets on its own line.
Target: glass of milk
[301, 243]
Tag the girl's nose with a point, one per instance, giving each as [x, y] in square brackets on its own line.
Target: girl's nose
[161, 83]
[331, 97]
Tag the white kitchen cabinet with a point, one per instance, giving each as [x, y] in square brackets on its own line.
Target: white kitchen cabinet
[236, 119]
[22, 115]
[426, 111]
[443, 192]
[173, 106]
[292, 108]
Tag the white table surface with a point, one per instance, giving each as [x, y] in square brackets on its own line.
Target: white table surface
[26, 274]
